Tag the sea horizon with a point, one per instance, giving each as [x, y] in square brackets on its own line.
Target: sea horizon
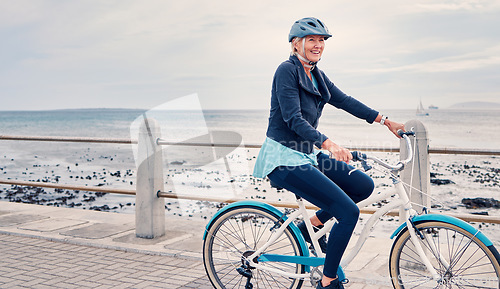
[475, 105]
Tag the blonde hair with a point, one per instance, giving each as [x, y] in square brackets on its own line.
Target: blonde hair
[292, 43]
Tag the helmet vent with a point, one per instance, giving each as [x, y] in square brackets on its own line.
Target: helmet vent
[312, 24]
[320, 23]
[303, 28]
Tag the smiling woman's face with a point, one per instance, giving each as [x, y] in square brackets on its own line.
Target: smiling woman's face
[313, 47]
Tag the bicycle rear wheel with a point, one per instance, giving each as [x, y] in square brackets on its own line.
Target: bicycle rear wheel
[235, 235]
[460, 259]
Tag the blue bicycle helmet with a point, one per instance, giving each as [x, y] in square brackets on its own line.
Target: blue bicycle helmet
[308, 26]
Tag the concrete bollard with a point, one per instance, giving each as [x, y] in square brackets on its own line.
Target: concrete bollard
[149, 208]
[420, 165]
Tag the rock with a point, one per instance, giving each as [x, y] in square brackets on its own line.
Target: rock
[440, 182]
[480, 213]
[480, 203]
[103, 208]
[434, 175]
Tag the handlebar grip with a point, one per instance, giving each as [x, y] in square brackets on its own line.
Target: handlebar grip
[358, 156]
[401, 133]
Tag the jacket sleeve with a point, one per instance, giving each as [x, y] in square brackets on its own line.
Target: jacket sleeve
[349, 104]
[287, 92]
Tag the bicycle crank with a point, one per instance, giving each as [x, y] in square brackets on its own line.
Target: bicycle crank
[316, 275]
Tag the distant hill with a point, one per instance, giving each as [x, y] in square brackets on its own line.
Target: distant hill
[476, 105]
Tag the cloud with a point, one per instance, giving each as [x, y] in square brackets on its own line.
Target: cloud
[143, 52]
[457, 5]
[464, 62]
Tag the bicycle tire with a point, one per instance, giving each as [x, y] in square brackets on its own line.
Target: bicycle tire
[237, 233]
[472, 263]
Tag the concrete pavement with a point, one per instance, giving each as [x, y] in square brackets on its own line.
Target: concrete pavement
[49, 247]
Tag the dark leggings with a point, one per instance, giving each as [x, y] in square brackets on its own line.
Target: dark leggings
[330, 187]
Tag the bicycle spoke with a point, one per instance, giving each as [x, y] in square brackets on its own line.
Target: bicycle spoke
[228, 244]
[236, 237]
[263, 230]
[255, 232]
[470, 266]
[239, 230]
[239, 283]
[459, 258]
[425, 280]
[414, 254]
[274, 248]
[239, 279]
[267, 281]
[229, 270]
[437, 255]
[435, 239]
[460, 253]
[471, 285]
[276, 281]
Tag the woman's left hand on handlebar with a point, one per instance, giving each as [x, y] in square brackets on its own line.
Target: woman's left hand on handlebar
[337, 152]
[394, 127]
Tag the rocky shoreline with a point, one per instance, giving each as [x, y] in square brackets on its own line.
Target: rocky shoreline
[459, 184]
[453, 179]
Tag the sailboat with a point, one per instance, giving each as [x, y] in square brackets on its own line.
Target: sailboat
[421, 111]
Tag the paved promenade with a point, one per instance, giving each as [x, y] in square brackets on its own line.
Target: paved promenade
[47, 247]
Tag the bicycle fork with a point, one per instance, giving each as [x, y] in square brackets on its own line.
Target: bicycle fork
[412, 229]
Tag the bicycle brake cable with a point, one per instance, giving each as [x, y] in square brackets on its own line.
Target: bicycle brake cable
[409, 186]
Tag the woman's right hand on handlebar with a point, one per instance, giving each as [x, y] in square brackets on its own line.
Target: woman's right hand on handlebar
[337, 152]
[394, 127]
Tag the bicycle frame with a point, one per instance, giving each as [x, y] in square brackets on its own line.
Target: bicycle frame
[402, 202]
[415, 237]
[406, 213]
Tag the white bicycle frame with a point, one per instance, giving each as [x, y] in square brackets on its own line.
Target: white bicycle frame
[402, 202]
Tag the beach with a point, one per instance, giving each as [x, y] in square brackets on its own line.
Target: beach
[194, 171]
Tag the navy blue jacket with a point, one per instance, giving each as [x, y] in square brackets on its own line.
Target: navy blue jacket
[296, 106]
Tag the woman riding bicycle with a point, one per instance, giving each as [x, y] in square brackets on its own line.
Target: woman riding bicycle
[299, 92]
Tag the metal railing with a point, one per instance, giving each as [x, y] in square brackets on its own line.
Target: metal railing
[168, 195]
[434, 150]
[150, 189]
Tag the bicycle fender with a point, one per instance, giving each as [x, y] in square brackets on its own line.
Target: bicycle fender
[450, 220]
[268, 207]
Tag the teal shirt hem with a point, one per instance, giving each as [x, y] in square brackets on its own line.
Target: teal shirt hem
[273, 154]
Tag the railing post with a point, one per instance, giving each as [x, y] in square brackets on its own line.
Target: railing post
[417, 172]
[149, 208]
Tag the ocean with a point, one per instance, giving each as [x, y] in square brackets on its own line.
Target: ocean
[193, 170]
[447, 128]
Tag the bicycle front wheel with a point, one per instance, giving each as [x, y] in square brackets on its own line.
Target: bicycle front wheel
[461, 260]
[235, 235]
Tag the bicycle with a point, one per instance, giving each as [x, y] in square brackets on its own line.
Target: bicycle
[253, 243]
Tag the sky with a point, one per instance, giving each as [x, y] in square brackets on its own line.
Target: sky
[139, 54]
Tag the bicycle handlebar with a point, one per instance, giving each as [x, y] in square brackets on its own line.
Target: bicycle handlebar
[362, 157]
